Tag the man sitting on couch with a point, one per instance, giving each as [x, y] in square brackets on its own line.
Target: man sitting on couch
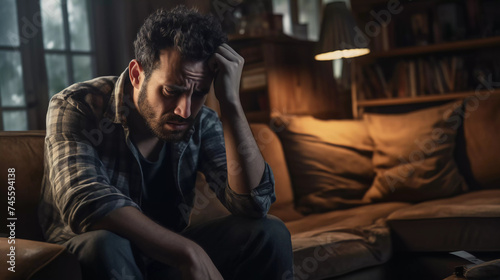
[122, 155]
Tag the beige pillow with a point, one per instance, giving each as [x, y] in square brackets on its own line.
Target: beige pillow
[413, 155]
[329, 161]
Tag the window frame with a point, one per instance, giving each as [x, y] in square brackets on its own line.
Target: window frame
[23, 49]
[13, 108]
[67, 52]
[32, 52]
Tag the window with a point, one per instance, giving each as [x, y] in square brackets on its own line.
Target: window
[45, 46]
[283, 7]
[66, 42]
[310, 15]
[301, 18]
[13, 107]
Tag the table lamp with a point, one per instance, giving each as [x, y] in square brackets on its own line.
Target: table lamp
[337, 34]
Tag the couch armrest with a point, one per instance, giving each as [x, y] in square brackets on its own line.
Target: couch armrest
[37, 260]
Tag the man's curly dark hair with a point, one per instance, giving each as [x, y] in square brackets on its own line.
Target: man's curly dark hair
[194, 35]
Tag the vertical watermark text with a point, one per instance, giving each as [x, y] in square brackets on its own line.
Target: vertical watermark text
[11, 218]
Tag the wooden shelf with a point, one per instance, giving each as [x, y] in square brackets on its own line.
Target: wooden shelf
[414, 62]
[423, 99]
[450, 46]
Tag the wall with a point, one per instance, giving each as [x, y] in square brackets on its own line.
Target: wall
[116, 23]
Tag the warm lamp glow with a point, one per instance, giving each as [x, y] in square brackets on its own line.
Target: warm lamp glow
[342, 54]
[337, 34]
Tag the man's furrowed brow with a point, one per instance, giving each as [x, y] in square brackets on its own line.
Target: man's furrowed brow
[177, 87]
[182, 88]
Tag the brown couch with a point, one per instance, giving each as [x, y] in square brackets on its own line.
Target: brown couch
[351, 242]
[34, 258]
[386, 239]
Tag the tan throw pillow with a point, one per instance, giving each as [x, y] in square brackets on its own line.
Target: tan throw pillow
[413, 155]
[329, 162]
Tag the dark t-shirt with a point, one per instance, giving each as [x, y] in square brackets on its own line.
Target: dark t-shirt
[160, 197]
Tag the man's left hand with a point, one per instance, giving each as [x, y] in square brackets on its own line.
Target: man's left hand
[227, 65]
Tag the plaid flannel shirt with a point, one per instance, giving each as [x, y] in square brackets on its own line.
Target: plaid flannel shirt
[91, 166]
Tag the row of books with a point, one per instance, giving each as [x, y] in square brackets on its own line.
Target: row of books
[412, 78]
[444, 21]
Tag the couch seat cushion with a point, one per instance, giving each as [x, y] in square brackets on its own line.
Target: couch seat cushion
[468, 222]
[338, 242]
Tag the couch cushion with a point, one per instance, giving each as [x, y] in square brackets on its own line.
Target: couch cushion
[413, 155]
[482, 141]
[207, 206]
[38, 260]
[337, 242]
[24, 152]
[468, 222]
[329, 161]
[272, 152]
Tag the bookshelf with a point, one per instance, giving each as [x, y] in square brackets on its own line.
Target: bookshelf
[424, 99]
[442, 47]
[408, 68]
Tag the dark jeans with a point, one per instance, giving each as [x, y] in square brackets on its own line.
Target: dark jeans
[241, 248]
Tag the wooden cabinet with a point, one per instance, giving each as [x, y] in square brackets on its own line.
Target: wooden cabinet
[254, 81]
[425, 52]
[280, 76]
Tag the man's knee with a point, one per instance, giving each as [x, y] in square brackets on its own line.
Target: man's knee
[270, 231]
[104, 255]
[107, 239]
[270, 248]
[274, 227]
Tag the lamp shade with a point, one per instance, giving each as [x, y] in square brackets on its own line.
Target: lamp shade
[337, 34]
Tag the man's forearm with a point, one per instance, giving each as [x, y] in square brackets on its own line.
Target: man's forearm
[152, 239]
[245, 164]
[244, 161]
